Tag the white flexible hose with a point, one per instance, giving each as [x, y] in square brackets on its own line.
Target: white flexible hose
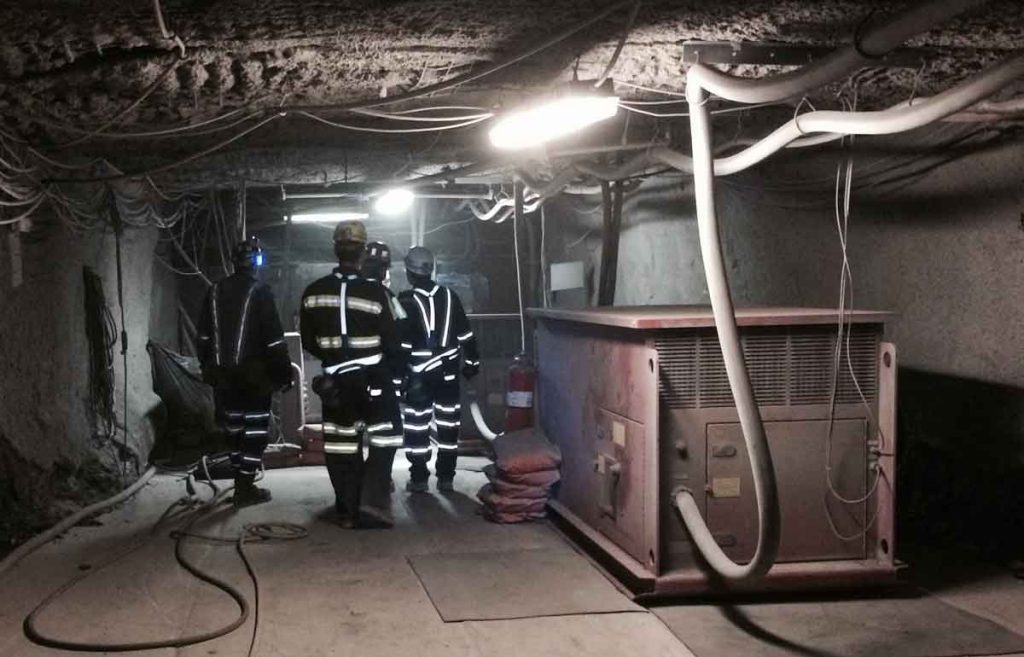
[33, 544]
[875, 42]
[481, 424]
[900, 118]
[704, 170]
[736, 368]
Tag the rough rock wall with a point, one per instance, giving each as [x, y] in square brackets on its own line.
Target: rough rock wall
[50, 460]
[331, 51]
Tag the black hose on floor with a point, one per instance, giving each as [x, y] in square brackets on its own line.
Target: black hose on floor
[263, 532]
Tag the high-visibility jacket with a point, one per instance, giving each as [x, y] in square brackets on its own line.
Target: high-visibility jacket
[437, 331]
[239, 334]
[347, 322]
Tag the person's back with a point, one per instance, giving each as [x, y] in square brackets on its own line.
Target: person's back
[244, 357]
[439, 343]
[347, 322]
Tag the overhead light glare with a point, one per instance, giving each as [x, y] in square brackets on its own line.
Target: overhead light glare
[558, 118]
[329, 217]
[394, 201]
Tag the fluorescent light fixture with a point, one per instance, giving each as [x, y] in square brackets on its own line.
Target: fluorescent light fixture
[557, 118]
[394, 201]
[328, 217]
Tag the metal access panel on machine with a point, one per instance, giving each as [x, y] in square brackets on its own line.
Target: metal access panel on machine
[799, 456]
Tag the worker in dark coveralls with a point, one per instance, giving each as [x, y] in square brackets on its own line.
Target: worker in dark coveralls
[377, 268]
[348, 324]
[439, 343]
[244, 357]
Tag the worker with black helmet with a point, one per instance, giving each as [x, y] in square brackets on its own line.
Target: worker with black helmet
[439, 343]
[347, 322]
[244, 357]
[377, 268]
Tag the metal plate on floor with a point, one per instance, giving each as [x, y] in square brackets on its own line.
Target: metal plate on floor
[520, 584]
[914, 627]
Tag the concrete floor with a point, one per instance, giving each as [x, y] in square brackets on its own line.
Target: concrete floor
[337, 592]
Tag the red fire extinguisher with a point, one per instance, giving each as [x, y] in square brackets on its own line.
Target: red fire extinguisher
[519, 401]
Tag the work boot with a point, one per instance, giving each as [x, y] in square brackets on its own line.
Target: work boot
[374, 518]
[416, 486]
[248, 493]
[445, 485]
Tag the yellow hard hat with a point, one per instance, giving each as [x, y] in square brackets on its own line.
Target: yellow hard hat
[350, 231]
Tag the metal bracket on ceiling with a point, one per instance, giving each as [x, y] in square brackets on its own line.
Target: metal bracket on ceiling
[784, 54]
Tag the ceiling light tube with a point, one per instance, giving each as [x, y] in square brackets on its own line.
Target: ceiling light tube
[394, 201]
[561, 117]
[328, 217]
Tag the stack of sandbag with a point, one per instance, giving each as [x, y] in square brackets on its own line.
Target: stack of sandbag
[524, 471]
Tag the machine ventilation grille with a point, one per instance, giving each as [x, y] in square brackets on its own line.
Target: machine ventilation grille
[789, 366]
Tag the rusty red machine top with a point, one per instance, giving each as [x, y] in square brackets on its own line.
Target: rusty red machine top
[669, 317]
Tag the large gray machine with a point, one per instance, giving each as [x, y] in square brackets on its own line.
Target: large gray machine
[639, 402]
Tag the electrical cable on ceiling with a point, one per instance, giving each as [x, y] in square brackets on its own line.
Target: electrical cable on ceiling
[543, 259]
[472, 76]
[621, 44]
[173, 165]
[179, 131]
[641, 87]
[628, 106]
[153, 86]
[423, 119]
[167, 34]
[118, 233]
[516, 215]
[394, 131]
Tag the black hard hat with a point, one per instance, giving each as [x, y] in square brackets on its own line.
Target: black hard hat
[249, 253]
[378, 253]
[419, 261]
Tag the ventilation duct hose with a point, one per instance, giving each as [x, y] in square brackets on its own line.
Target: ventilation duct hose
[765, 489]
[890, 121]
[481, 424]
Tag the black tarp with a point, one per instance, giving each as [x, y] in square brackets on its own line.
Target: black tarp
[188, 402]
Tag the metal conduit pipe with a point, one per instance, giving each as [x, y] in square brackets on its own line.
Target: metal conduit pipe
[873, 44]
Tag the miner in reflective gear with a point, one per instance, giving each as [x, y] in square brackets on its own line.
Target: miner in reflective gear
[439, 343]
[377, 268]
[244, 357]
[347, 322]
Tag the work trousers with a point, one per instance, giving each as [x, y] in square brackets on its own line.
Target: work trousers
[433, 399]
[244, 416]
[362, 402]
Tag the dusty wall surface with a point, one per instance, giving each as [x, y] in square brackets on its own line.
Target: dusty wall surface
[49, 458]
